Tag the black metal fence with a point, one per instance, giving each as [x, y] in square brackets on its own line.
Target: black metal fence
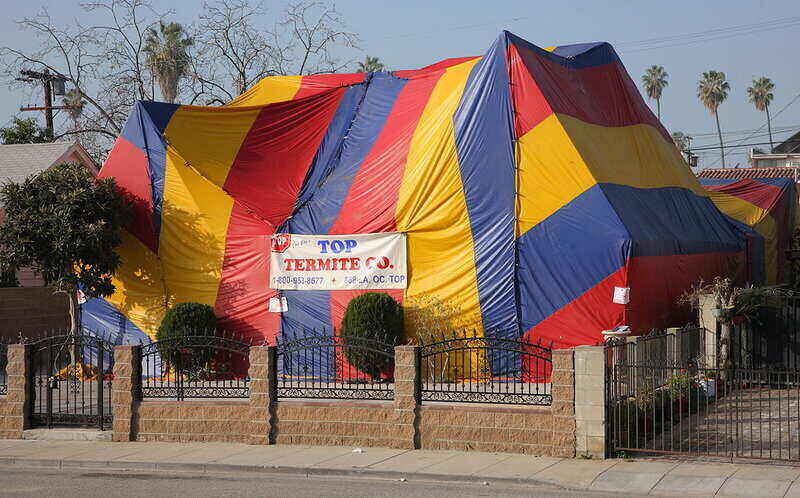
[690, 403]
[314, 364]
[770, 338]
[3, 364]
[205, 364]
[486, 369]
[690, 347]
[71, 377]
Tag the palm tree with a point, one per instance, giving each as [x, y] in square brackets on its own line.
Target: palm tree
[760, 95]
[167, 57]
[712, 90]
[371, 65]
[655, 81]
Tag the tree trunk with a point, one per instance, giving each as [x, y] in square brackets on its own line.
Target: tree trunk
[74, 350]
[719, 133]
[658, 106]
[769, 127]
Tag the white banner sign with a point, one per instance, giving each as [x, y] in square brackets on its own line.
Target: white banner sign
[330, 262]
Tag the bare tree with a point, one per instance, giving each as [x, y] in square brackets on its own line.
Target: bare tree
[236, 48]
[104, 59]
[102, 62]
[312, 30]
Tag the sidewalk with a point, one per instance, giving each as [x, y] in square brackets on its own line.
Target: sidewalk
[656, 477]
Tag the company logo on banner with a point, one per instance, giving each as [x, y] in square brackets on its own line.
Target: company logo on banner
[331, 262]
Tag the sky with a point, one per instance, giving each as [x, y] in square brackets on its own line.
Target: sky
[745, 39]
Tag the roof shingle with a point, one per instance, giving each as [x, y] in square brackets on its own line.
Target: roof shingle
[19, 161]
[732, 173]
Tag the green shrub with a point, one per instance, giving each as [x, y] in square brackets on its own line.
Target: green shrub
[371, 316]
[185, 336]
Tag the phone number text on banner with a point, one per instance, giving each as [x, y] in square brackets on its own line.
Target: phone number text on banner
[330, 262]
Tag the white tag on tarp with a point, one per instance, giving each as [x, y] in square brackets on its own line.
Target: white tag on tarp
[622, 295]
[278, 305]
[81, 297]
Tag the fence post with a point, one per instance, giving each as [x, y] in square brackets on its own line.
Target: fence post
[675, 337]
[263, 393]
[125, 390]
[707, 314]
[590, 401]
[563, 405]
[407, 390]
[15, 406]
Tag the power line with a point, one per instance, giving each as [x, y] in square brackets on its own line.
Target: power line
[458, 28]
[757, 135]
[707, 35]
[713, 147]
[765, 124]
[742, 132]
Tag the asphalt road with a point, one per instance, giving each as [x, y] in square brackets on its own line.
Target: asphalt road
[88, 484]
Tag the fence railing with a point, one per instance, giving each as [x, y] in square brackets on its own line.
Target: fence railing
[687, 348]
[727, 412]
[486, 369]
[3, 363]
[197, 366]
[313, 364]
[770, 338]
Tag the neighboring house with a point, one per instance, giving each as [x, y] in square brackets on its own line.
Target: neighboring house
[19, 161]
[783, 161]
[786, 154]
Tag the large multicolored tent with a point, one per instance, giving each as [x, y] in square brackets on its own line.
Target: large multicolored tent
[530, 183]
[766, 204]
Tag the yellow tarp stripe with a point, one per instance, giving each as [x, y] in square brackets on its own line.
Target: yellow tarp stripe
[268, 91]
[139, 285]
[562, 157]
[431, 206]
[756, 217]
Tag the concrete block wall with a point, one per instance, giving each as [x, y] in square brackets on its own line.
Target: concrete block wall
[534, 430]
[390, 424]
[14, 405]
[569, 425]
[590, 401]
[193, 421]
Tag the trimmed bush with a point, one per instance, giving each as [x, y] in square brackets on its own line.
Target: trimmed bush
[185, 336]
[373, 316]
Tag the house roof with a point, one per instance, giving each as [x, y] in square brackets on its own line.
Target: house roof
[19, 161]
[731, 173]
[790, 145]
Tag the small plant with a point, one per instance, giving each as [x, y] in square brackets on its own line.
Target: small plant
[186, 337]
[372, 322]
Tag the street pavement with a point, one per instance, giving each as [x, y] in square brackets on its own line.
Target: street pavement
[614, 476]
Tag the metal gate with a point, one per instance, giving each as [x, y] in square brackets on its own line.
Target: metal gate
[71, 381]
[661, 401]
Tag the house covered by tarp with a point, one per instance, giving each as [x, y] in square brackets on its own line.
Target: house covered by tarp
[769, 206]
[531, 182]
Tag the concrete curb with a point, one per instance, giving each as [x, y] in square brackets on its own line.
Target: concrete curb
[213, 468]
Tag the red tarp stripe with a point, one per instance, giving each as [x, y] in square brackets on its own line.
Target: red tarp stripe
[530, 105]
[436, 67]
[656, 283]
[128, 165]
[311, 85]
[757, 193]
[378, 180]
[272, 162]
[244, 291]
[608, 98]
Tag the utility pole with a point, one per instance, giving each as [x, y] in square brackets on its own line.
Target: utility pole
[52, 84]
